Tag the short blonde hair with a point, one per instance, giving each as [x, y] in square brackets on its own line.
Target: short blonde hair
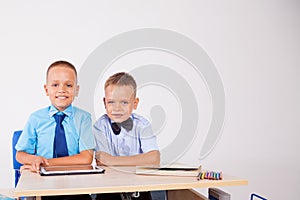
[121, 79]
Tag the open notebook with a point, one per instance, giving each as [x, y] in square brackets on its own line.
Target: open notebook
[175, 169]
[70, 170]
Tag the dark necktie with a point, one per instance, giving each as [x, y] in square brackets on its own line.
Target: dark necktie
[60, 148]
[127, 124]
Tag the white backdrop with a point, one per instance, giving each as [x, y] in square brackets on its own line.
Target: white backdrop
[255, 46]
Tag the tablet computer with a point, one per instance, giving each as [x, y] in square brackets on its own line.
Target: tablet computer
[70, 170]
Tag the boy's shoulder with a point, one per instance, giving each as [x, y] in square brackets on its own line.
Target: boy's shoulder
[103, 118]
[40, 113]
[139, 119]
[80, 111]
[101, 123]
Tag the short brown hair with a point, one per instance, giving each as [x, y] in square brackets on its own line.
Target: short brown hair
[59, 63]
[121, 79]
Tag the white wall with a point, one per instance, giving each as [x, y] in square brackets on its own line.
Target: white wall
[254, 45]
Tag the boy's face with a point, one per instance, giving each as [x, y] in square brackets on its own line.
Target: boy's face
[61, 86]
[119, 102]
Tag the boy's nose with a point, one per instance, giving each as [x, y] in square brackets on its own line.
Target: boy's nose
[61, 88]
[117, 107]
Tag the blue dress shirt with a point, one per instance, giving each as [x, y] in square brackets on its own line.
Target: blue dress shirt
[38, 134]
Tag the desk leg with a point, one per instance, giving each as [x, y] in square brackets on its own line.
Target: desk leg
[38, 198]
[185, 194]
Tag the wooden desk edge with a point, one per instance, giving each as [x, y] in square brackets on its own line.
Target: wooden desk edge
[227, 181]
[114, 189]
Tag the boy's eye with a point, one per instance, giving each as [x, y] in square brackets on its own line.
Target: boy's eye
[69, 85]
[54, 85]
[110, 102]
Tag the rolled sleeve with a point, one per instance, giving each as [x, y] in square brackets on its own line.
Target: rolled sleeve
[86, 140]
[27, 140]
[148, 139]
[101, 139]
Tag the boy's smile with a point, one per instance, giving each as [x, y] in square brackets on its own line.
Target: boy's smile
[60, 97]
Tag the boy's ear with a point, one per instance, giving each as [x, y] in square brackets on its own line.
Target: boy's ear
[46, 89]
[77, 91]
[135, 103]
[104, 102]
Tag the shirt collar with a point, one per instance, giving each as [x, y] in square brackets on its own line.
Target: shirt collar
[68, 111]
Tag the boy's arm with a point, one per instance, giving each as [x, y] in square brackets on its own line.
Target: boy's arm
[31, 161]
[149, 158]
[84, 157]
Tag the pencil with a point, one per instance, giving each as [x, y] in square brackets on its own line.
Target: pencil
[199, 176]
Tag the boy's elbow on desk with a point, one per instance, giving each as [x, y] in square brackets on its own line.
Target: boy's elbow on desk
[87, 156]
[155, 157]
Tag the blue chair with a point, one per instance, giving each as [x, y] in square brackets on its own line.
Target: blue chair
[16, 164]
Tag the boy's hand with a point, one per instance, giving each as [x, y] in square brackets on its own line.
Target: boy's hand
[26, 167]
[36, 162]
[30, 161]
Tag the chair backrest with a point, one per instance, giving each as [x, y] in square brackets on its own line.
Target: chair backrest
[16, 164]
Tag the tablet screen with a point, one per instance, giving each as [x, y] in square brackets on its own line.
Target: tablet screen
[71, 169]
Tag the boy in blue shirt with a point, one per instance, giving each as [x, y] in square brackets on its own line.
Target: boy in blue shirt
[39, 144]
[123, 137]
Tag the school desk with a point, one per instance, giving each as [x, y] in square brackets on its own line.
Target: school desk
[115, 179]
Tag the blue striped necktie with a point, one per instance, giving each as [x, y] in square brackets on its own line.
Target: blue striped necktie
[60, 148]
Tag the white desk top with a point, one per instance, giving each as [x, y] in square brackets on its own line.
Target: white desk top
[116, 179]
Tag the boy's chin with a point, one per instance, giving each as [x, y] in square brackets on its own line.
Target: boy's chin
[119, 120]
[61, 107]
